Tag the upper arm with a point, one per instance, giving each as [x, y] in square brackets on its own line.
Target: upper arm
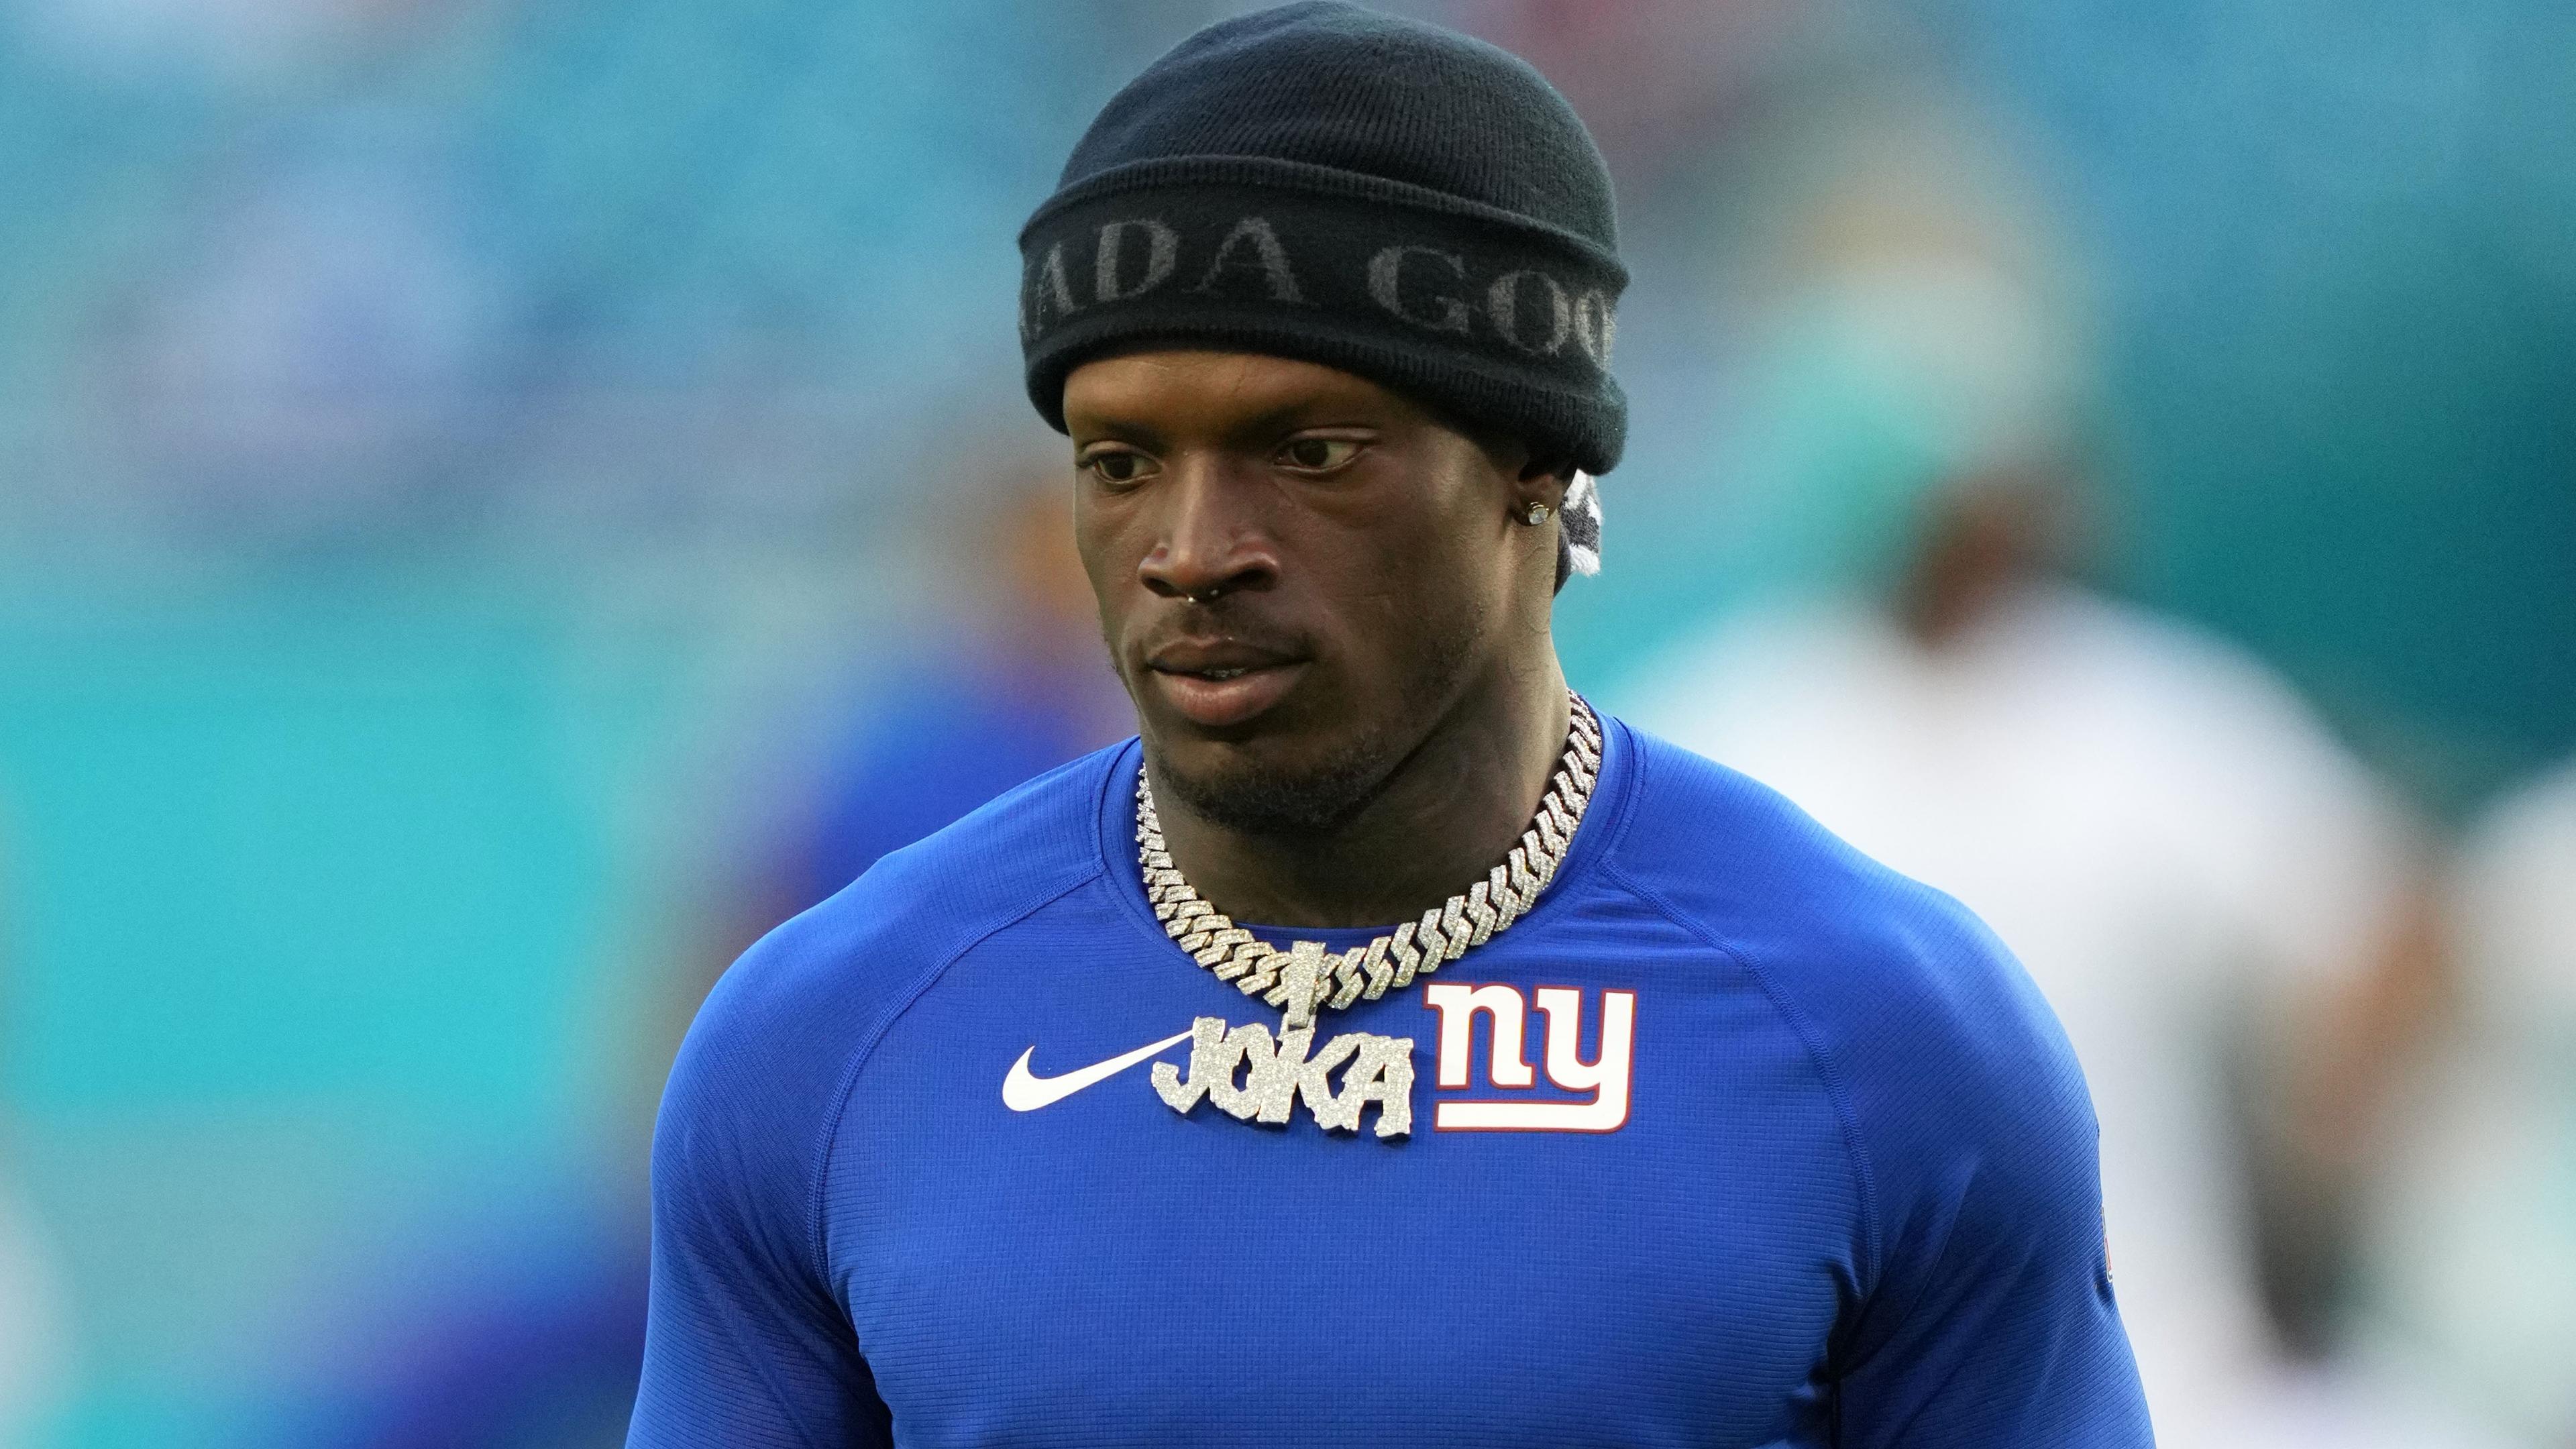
[1990, 1321]
[745, 1342]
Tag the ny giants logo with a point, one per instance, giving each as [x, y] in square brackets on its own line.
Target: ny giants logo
[1508, 1069]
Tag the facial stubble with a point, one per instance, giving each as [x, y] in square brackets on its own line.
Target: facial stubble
[1314, 800]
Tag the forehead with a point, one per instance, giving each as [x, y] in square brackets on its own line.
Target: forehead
[1191, 391]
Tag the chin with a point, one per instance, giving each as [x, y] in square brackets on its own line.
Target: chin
[1254, 787]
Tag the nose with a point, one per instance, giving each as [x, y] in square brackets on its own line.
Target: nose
[1211, 540]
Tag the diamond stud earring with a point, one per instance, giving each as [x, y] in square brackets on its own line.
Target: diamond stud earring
[1536, 515]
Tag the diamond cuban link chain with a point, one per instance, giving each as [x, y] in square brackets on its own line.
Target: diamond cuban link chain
[1416, 948]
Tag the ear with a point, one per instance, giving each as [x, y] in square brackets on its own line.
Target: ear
[1542, 478]
[1528, 474]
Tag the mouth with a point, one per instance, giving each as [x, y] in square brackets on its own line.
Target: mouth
[1222, 685]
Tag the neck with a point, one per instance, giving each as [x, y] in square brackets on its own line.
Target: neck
[1448, 814]
[1953, 586]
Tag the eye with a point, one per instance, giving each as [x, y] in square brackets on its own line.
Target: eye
[1116, 466]
[1317, 455]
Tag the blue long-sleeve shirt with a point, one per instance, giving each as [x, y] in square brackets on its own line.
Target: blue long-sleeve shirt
[1736, 1138]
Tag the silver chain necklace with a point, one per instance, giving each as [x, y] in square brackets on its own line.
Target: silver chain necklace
[1306, 978]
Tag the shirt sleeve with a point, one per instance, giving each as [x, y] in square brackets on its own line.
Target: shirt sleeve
[745, 1342]
[1989, 1322]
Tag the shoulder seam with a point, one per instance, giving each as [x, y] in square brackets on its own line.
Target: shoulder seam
[848, 1084]
[1828, 1075]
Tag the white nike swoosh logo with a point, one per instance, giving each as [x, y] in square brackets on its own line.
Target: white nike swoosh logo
[1026, 1091]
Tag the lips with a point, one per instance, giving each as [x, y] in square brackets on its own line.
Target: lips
[1222, 682]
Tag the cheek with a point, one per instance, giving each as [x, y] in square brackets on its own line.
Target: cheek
[1420, 585]
[1108, 560]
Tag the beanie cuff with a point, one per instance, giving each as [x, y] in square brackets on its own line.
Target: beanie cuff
[1502, 319]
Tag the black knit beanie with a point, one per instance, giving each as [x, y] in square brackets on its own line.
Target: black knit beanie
[1379, 195]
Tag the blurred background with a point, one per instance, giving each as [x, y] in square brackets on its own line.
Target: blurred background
[502, 501]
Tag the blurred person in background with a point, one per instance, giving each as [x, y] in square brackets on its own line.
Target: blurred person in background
[1007, 684]
[2215, 897]
[530, 1340]
[2471, 1268]
[34, 1345]
[536, 1337]
[33, 1354]
[33, 1349]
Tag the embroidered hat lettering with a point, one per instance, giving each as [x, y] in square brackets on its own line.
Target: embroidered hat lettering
[1527, 309]
[1268, 258]
[1162, 254]
[1046, 288]
[1503, 305]
[1386, 287]
[1595, 326]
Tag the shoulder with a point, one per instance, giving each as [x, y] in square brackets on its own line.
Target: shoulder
[771, 1049]
[1932, 1039]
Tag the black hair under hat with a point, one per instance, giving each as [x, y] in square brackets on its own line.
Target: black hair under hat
[1376, 194]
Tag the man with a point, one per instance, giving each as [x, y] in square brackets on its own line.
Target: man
[2217, 900]
[1662, 1117]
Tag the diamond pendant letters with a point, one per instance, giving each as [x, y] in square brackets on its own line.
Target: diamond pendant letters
[1276, 1075]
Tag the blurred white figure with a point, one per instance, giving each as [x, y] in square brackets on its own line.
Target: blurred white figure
[32, 1351]
[2195, 873]
[2473, 1260]
[2158, 830]
[35, 1349]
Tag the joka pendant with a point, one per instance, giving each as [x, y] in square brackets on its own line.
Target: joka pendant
[1252, 1077]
